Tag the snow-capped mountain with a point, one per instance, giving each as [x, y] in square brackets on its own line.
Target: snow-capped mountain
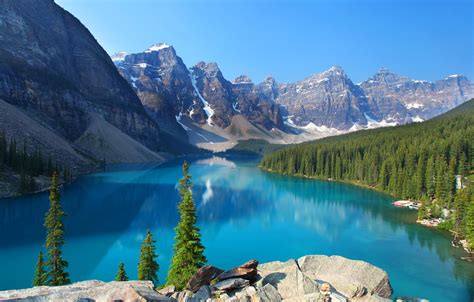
[400, 99]
[192, 100]
[176, 96]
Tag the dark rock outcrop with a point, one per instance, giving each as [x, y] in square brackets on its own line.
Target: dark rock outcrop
[203, 276]
[247, 271]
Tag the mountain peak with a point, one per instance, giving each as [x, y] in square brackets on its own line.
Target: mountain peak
[157, 47]
[334, 70]
[383, 70]
[118, 56]
[242, 79]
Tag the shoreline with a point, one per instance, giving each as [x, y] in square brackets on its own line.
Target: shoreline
[428, 223]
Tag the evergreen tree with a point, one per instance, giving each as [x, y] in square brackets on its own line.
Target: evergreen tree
[55, 237]
[121, 274]
[188, 250]
[148, 267]
[41, 277]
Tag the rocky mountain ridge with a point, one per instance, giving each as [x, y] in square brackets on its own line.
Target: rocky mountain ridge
[212, 109]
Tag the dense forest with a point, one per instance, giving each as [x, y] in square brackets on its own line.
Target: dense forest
[16, 159]
[432, 162]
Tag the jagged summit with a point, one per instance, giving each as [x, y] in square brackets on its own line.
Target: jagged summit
[211, 69]
[157, 47]
[119, 56]
[242, 79]
[335, 70]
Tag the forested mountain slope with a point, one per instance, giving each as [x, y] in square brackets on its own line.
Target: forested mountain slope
[431, 161]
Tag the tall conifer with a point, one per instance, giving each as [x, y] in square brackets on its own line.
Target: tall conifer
[55, 237]
[188, 250]
[41, 277]
[148, 267]
[121, 274]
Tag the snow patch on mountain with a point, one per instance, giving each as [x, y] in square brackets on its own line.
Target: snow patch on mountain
[234, 106]
[207, 108]
[157, 47]
[371, 123]
[414, 105]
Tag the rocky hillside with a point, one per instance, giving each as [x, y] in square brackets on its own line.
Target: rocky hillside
[203, 104]
[310, 278]
[60, 92]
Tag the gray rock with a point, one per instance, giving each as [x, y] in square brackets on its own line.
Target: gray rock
[231, 284]
[88, 291]
[203, 293]
[287, 278]
[347, 276]
[167, 291]
[267, 293]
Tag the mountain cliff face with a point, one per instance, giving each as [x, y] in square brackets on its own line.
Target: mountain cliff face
[176, 97]
[400, 99]
[54, 72]
[330, 99]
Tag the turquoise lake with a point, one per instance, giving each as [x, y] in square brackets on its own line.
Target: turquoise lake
[243, 213]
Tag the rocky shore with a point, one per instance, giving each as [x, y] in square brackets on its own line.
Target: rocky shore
[310, 278]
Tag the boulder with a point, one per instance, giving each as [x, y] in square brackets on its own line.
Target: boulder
[267, 293]
[203, 276]
[203, 293]
[231, 284]
[246, 271]
[88, 291]
[167, 291]
[288, 280]
[183, 296]
[350, 277]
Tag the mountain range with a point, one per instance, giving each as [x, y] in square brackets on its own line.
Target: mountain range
[214, 112]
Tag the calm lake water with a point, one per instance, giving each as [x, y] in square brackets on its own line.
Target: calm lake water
[243, 213]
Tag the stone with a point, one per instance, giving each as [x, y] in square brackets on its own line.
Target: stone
[203, 276]
[347, 276]
[246, 271]
[231, 284]
[183, 296]
[267, 293]
[167, 291]
[287, 278]
[203, 293]
[92, 290]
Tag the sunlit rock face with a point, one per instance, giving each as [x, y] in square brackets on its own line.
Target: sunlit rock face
[170, 91]
[400, 99]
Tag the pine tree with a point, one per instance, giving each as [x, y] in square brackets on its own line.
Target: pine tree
[148, 267]
[469, 228]
[41, 277]
[121, 274]
[188, 250]
[55, 237]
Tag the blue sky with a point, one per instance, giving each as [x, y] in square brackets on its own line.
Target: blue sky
[423, 39]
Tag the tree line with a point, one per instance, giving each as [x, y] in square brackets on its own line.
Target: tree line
[432, 162]
[188, 249]
[15, 157]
